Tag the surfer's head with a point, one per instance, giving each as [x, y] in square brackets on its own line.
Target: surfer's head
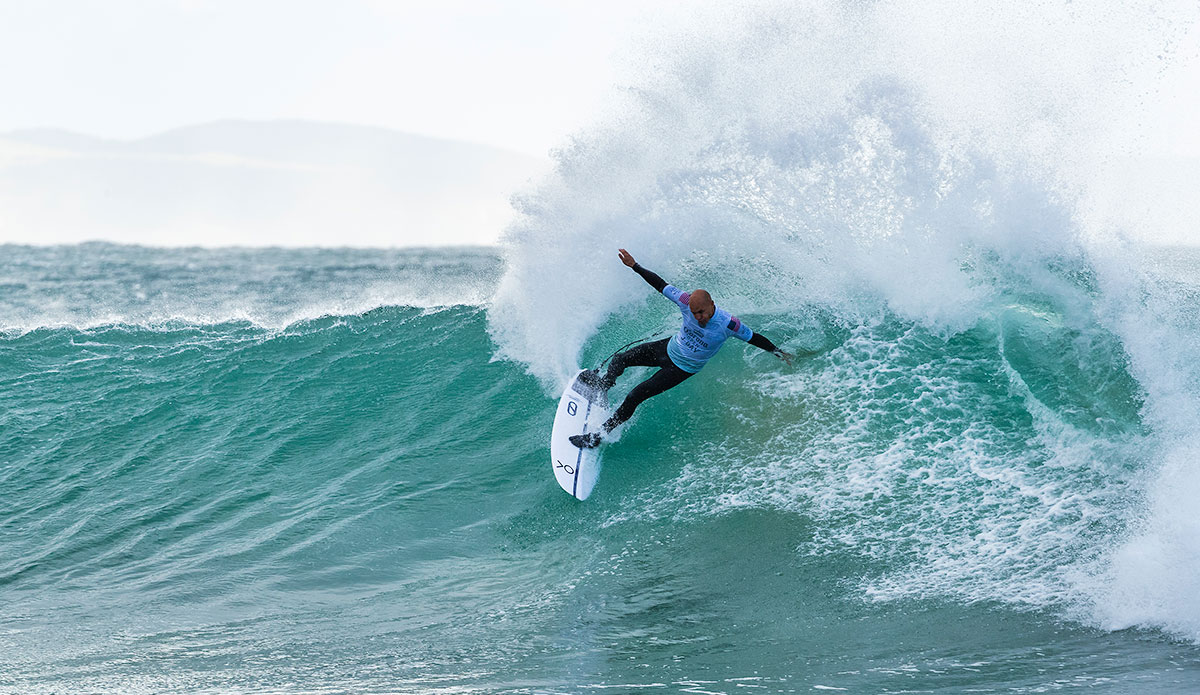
[701, 305]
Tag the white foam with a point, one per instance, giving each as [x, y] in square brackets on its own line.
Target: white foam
[925, 163]
[1152, 578]
[815, 153]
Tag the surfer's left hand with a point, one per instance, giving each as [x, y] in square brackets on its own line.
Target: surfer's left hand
[785, 356]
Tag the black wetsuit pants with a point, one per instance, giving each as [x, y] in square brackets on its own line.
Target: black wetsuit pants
[652, 354]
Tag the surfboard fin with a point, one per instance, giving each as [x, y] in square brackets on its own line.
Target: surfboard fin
[591, 440]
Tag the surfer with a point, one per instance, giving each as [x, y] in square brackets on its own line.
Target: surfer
[704, 330]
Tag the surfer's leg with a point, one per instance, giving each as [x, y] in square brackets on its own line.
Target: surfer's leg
[660, 381]
[643, 355]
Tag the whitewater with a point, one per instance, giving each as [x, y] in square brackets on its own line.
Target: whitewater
[326, 470]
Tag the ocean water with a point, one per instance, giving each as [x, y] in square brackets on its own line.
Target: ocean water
[326, 470]
[307, 471]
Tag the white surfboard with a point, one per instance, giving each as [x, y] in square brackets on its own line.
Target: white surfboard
[580, 410]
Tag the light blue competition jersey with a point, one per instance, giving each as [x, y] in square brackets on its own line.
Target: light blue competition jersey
[695, 344]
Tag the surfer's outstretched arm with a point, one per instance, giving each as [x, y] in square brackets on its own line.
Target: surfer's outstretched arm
[762, 342]
[651, 277]
[648, 275]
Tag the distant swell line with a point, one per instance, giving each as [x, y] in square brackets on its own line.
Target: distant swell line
[171, 323]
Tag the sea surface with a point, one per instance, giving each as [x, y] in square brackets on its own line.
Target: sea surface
[306, 471]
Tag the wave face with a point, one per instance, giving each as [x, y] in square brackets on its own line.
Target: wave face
[200, 500]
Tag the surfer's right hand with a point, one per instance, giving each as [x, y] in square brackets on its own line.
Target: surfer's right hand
[626, 258]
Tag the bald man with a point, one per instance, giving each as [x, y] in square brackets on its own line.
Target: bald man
[705, 329]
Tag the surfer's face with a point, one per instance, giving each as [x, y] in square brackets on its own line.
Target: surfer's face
[701, 306]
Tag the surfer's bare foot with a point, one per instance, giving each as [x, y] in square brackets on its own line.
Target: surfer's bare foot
[591, 440]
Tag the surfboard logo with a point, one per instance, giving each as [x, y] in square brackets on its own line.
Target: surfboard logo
[566, 467]
[572, 408]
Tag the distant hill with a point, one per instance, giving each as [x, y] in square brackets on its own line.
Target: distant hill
[289, 183]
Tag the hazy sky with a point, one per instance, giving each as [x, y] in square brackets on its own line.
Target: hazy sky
[518, 74]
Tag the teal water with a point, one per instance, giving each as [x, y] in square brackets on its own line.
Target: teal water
[305, 471]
